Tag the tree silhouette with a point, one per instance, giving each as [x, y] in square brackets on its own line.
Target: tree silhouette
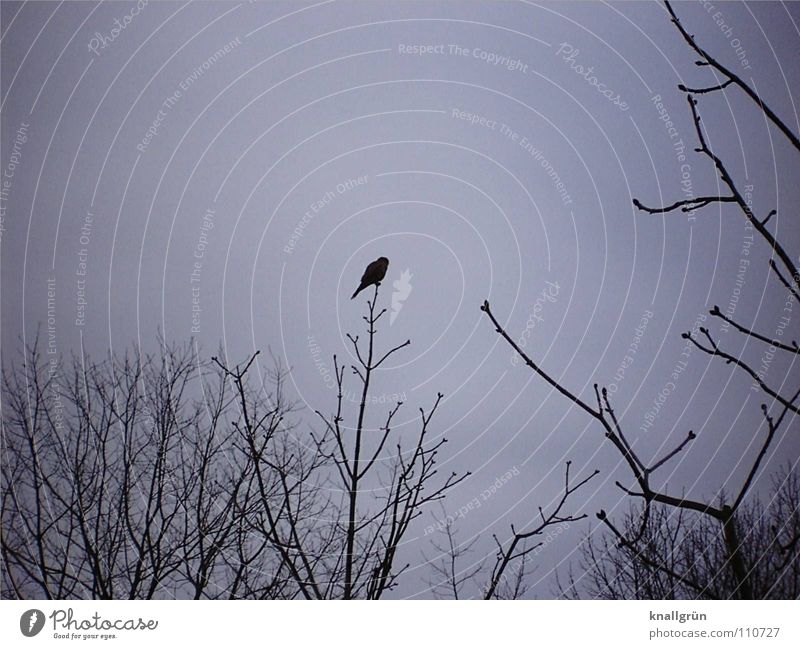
[683, 555]
[730, 515]
[164, 476]
[118, 483]
[374, 532]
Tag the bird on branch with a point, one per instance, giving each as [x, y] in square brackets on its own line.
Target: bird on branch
[374, 273]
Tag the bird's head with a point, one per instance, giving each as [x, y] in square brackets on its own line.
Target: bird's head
[384, 261]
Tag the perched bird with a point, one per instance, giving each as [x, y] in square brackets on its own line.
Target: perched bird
[375, 272]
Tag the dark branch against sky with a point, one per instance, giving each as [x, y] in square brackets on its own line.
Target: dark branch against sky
[225, 172]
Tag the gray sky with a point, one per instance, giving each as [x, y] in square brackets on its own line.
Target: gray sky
[251, 158]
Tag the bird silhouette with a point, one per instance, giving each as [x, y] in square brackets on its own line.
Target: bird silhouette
[374, 273]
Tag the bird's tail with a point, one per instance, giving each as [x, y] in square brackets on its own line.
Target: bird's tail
[358, 290]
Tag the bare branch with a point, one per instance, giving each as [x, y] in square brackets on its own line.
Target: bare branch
[714, 350]
[770, 341]
[707, 59]
[702, 91]
[687, 205]
[506, 555]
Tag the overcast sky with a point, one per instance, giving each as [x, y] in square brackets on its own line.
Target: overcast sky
[227, 170]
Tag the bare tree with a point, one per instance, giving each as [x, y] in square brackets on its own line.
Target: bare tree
[164, 476]
[683, 555]
[778, 409]
[401, 485]
[291, 512]
[120, 481]
[507, 578]
[448, 578]
[514, 555]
